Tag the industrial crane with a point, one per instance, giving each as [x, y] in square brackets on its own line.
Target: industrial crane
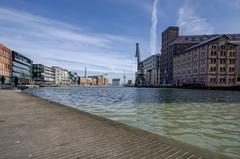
[140, 74]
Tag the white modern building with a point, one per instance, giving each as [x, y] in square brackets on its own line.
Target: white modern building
[61, 76]
[152, 70]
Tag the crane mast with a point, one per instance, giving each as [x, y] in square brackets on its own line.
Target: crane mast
[140, 74]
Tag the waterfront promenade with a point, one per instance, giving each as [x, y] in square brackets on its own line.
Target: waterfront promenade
[34, 128]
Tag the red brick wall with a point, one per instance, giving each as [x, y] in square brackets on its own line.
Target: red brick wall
[5, 61]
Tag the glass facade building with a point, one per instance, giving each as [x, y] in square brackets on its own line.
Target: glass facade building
[21, 68]
[43, 75]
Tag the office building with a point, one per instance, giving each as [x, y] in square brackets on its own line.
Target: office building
[43, 75]
[21, 68]
[73, 77]
[212, 63]
[152, 70]
[5, 63]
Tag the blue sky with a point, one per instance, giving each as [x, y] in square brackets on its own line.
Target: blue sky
[101, 34]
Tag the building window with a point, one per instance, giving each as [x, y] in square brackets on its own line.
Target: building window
[222, 69]
[231, 61]
[213, 69]
[231, 69]
[223, 61]
[213, 80]
[213, 60]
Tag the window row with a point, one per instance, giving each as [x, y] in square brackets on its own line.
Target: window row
[5, 66]
[221, 47]
[5, 53]
[222, 80]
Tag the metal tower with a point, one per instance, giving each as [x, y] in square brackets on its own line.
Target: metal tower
[124, 77]
[85, 72]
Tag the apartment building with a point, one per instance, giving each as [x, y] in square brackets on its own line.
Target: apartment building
[212, 63]
[43, 75]
[22, 68]
[5, 63]
[152, 70]
[61, 76]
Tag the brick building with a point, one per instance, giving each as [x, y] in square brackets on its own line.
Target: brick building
[212, 63]
[5, 63]
[174, 44]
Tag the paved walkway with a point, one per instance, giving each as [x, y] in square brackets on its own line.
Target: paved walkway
[34, 128]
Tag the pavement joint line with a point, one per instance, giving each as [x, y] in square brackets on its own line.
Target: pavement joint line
[186, 153]
[149, 149]
[74, 141]
[87, 149]
[172, 155]
[165, 153]
[132, 151]
[126, 144]
[146, 157]
[90, 144]
[86, 146]
[115, 145]
[162, 150]
[190, 157]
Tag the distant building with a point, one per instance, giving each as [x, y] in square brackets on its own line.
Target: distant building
[86, 81]
[100, 80]
[61, 76]
[152, 70]
[173, 44]
[212, 63]
[5, 63]
[115, 82]
[130, 82]
[22, 68]
[238, 61]
[43, 75]
[73, 77]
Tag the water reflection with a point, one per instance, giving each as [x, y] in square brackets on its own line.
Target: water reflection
[210, 119]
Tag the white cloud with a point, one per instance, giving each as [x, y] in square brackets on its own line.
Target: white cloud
[52, 42]
[191, 23]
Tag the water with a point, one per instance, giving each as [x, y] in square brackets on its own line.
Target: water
[209, 119]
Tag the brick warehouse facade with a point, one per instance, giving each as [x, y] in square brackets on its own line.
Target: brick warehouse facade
[174, 44]
[5, 63]
[212, 63]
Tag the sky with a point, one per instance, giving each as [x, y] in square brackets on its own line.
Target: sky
[101, 34]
